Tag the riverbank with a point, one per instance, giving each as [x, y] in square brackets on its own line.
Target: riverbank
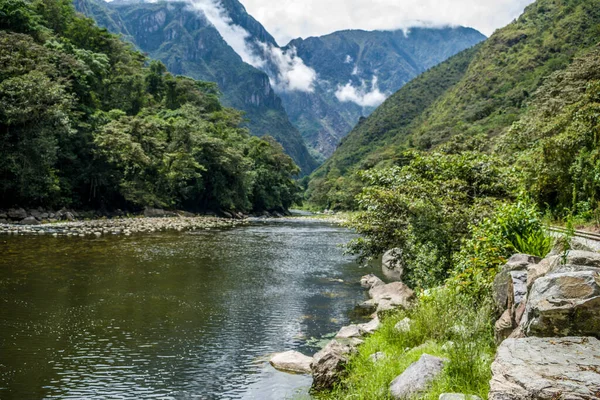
[121, 226]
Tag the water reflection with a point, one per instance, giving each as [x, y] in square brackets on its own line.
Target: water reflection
[169, 315]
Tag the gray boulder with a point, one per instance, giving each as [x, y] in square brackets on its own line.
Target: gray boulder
[403, 326]
[150, 212]
[370, 281]
[30, 221]
[503, 281]
[417, 377]
[350, 331]
[291, 361]
[564, 304]
[329, 364]
[391, 264]
[17, 214]
[370, 327]
[540, 269]
[392, 296]
[504, 327]
[546, 369]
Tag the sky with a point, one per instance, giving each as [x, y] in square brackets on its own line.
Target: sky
[288, 19]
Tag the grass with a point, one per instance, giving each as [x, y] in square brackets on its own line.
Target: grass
[443, 324]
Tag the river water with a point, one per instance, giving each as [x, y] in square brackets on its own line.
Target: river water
[170, 315]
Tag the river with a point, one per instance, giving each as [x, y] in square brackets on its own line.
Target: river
[170, 315]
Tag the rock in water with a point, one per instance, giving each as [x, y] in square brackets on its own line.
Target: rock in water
[370, 281]
[391, 264]
[564, 304]
[291, 361]
[417, 377]
[329, 364]
[350, 331]
[546, 369]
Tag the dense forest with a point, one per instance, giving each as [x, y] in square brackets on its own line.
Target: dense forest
[88, 122]
[484, 98]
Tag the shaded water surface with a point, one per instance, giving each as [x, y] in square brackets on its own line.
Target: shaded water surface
[170, 315]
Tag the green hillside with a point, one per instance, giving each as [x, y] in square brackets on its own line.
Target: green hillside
[476, 105]
[88, 122]
[189, 45]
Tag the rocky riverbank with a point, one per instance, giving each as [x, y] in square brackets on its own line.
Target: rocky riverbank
[120, 226]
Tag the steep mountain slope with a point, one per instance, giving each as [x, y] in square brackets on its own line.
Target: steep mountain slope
[326, 83]
[493, 93]
[357, 70]
[188, 44]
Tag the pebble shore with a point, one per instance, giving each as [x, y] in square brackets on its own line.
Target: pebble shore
[121, 226]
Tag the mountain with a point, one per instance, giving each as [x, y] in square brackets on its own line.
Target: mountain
[472, 99]
[357, 70]
[188, 44]
[326, 83]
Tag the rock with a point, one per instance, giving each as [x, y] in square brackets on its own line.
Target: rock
[564, 304]
[578, 243]
[370, 281]
[30, 221]
[350, 331]
[540, 269]
[3, 215]
[291, 361]
[504, 326]
[17, 214]
[69, 216]
[503, 280]
[546, 369]
[391, 264]
[584, 258]
[367, 307]
[150, 212]
[329, 364]
[391, 296]
[376, 357]
[403, 326]
[417, 377]
[227, 214]
[370, 327]
[458, 396]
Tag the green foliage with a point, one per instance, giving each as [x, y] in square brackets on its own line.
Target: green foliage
[425, 208]
[443, 324]
[83, 122]
[530, 90]
[513, 227]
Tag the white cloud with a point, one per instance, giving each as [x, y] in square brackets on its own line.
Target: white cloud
[286, 70]
[288, 19]
[291, 72]
[364, 95]
[235, 36]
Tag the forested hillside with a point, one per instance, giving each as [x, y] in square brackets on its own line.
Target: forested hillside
[88, 122]
[188, 44]
[470, 101]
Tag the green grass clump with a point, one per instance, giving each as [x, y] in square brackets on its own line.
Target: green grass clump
[443, 324]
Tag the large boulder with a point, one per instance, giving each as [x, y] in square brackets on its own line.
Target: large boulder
[17, 214]
[291, 361]
[391, 264]
[150, 212]
[370, 327]
[540, 269]
[417, 377]
[329, 364]
[564, 304]
[350, 331]
[392, 296]
[546, 369]
[504, 279]
[30, 221]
